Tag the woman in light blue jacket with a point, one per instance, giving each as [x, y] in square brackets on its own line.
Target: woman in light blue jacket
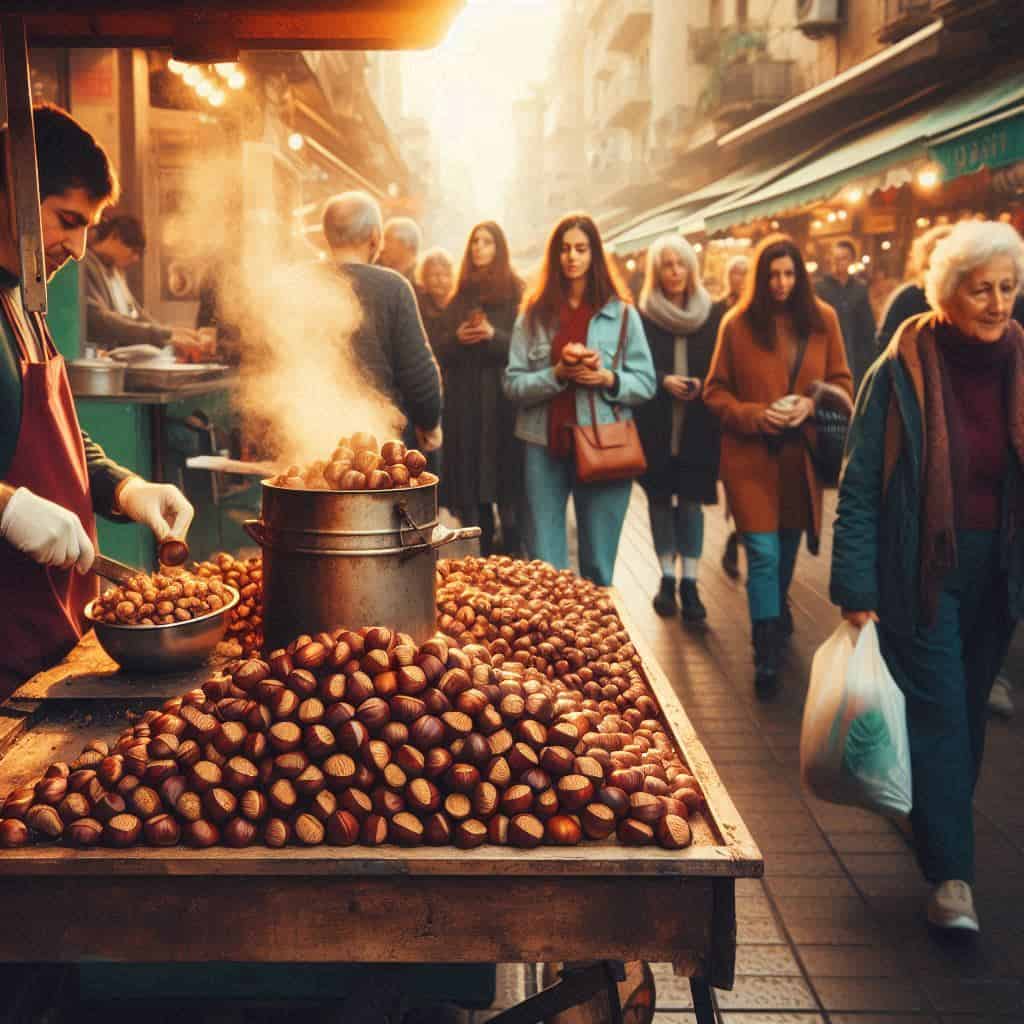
[577, 303]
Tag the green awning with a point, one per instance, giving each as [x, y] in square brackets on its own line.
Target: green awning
[998, 141]
[876, 158]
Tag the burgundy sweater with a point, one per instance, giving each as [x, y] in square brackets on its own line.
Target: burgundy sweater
[975, 389]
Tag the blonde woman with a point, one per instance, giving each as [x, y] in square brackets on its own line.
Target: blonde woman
[679, 435]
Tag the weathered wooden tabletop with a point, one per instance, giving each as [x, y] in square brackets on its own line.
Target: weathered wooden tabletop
[595, 901]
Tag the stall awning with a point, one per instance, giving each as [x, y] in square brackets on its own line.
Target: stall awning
[877, 158]
[994, 142]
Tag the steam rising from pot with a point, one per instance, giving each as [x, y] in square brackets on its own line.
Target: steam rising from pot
[302, 386]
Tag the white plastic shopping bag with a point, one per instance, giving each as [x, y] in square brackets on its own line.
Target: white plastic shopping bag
[853, 742]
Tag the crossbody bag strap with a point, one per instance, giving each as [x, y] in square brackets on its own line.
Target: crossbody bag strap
[801, 350]
[615, 362]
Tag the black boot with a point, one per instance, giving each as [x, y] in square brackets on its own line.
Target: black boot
[786, 621]
[665, 599]
[766, 657]
[731, 556]
[689, 598]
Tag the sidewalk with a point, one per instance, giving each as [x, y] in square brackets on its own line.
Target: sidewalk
[835, 931]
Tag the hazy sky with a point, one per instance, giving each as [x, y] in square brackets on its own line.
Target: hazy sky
[467, 86]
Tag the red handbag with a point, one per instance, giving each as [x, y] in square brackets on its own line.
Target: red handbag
[608, 452]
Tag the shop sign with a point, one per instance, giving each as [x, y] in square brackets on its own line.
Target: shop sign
[878, 222]
[993, 146]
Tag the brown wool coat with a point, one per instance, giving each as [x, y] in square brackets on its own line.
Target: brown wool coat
[770, 489]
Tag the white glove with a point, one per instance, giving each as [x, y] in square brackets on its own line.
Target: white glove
[161, 507]
[46, 532]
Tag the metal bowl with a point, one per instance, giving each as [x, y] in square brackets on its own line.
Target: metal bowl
[168, 648]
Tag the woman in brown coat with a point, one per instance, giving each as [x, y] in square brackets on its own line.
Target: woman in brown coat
[779, 352]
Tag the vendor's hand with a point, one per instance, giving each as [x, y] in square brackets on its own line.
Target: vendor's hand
[588, 378]
[802, 408]
[429, 440]
[161, 507]
[773, 421]
[47, 532]
[859, 619]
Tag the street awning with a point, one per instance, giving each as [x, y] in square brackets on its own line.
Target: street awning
[994, 142]
[878, 158]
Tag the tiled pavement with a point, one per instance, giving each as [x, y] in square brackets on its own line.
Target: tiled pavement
[834, 932]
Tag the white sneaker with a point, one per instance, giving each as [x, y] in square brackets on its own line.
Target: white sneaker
[951, 906]
[1000, 699]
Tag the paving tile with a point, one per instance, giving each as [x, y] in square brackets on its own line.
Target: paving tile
[883, 1018]
[766, 960]
[754, 992]
[772, 1018]
[820, 888]
[672, 992]
[674, 1018]
[980, 996]
[806, 865]
[887, 864]
[849, 962]
[867, 842]
[817, 932]
[759, 930]
[888, 994]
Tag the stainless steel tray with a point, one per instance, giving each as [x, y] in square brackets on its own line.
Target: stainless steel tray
[169, 376]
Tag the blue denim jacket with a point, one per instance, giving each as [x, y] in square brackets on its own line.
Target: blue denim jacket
[530, 379]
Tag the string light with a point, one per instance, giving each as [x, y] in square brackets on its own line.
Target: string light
[217, 98]
[886, 245]
[224, 69]
[922, 222]
[816, 224]
[831, 217]
[192, 75]
[236, 80]
[204, 88]
[698, 247]
[928, 178]
[296, 141]
[811, 266]
[865, 258]
[176, 67]
[855, 195]
[775, 225]
[841, 214]
[631, 265]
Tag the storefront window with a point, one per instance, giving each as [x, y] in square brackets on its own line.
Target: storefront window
[48, 71]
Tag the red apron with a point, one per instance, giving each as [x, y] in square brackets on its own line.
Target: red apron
[41, 619]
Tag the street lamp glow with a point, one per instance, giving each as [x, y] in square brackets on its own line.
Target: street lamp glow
[698, 247]
[775, 225]
[236, 80]
[855, 195]
[922, 222]
[631, 265]
[928, 178]
[296, 141]
[886, 245]
[865, 258]
[811, 266]
[192, 74]
[831, 216]
[841, 214]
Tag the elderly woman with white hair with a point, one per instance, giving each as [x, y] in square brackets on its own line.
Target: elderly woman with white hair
[929, 538]
[679, 435]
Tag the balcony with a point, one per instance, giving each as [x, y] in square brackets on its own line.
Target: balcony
[627, 101]
[629, 23]
[900, 18]
[746, 90]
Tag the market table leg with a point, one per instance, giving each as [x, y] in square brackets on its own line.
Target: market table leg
[703, 1008]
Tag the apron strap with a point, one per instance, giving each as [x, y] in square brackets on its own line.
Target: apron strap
[43, 337]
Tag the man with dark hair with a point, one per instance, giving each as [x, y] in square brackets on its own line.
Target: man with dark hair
[849, 298]
[400, 247]
[53, 478]
[113, 316]
[391, 342]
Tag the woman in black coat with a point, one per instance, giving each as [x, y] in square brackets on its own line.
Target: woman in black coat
[482, 458]
[679, 435]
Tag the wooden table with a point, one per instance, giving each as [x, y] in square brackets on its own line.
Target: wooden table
[597, 901]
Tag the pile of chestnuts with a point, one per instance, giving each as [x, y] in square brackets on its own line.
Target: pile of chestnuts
[245, 622]
[365, 737]
[159, 599]
[359, 464]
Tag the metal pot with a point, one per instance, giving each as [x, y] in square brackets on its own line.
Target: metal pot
[349, 558]
[96, 377]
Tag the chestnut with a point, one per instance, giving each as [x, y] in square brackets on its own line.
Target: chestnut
[122, 830]
[18, 802]
[144, 802]
[497, 830]
[357, 803]
[393, 452]
[238, 833]
[44, 819]
[415, 462]
[405, 829]
[525, 831]
[562, 830]
[574, 791]
[162, 830]
[436, 830]
[201, 834]
[172, 552]
[342, 829]
[615, 798]
[422, 796]
[352, 480]
[517, 799]
[13, 833]
[374, 830]
[673, 832]
[470, 834]
[635, 833]
[51, 791]
[84, 832]
[646, 808]
[276, 833]
[219, 805]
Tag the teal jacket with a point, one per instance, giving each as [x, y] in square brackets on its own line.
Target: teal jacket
[876, 541]
[530, 379]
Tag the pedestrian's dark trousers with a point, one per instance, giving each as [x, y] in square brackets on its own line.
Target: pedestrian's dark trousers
[946, 671]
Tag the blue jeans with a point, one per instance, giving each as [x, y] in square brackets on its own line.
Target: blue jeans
[676, 529]
[771, 558]
[600, 513]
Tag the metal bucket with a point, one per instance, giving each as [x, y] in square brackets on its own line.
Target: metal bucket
[349, 558]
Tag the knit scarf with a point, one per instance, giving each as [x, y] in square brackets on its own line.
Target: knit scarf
[675, 318]
[938, 509]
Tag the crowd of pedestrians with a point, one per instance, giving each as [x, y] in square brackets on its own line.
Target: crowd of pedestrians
[929, 535]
